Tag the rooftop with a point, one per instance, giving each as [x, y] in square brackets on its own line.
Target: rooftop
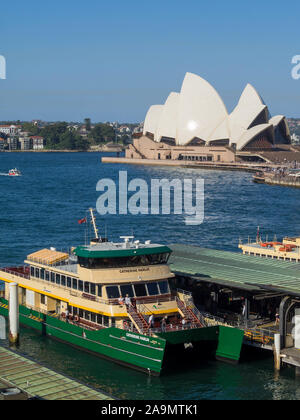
[235, 270]
[123, 249]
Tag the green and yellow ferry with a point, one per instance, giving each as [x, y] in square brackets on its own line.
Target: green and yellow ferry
[115, 300]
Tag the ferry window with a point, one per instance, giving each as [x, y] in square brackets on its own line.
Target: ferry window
[43, 299]
[74, 282]
[63, 280]
[86, 287]
[87, 315]
[42, 273]
[164, 287]
[80, 313]
[47, 276]
[75, 311]
[126, 289]
[133, 261]
[69, 282]
[80, 285]
[100, 291]
[52, 277]
[152, 289]
[105, 320]
[113, 322]
[92, 288]
[37, 273]
[57, 279]
[140, 290]
[112, 292]
[32, 271]
[99, 319]
[93, 317]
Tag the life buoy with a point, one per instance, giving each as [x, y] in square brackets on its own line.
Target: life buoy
[76, 318]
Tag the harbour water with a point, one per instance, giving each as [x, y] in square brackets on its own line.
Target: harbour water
[41, 209]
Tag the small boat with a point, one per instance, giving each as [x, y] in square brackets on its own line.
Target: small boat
[259, 178]
[14, 172]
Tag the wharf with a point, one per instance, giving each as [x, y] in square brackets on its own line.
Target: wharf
[256, 280]
[233, 269]
[234, 166]
[283, 180]
[39, 382]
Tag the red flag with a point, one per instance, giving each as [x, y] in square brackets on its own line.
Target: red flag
[81, 221]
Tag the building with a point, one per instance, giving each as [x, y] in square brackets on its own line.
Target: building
[25, 143]
[195, 125]
[37, 142]
[13, 143]
[2, 144]
[10, 130]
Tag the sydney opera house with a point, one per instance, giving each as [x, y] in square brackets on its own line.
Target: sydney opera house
[196, 125]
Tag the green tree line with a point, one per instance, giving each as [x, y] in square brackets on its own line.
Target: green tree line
[59, 136]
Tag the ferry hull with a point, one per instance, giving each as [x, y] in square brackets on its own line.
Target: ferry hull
[144, 353]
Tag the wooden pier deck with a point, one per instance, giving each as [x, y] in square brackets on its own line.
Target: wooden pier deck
[42, 383]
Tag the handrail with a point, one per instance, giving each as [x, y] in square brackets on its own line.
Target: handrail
[15, 273]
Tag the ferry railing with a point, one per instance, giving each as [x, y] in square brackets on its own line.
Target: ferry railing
[190, 304]
[173, 327]
[14, 271]
[260, 335]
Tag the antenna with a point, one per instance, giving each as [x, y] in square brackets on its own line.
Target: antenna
[94, 223]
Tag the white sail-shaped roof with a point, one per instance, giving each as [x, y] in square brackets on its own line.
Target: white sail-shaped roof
[222, 132]
[200, 110]
[250, 106]
[167, 122]
[253, 132]
[152, 119]
[277, 120]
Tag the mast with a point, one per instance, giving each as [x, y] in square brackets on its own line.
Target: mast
[94, 223]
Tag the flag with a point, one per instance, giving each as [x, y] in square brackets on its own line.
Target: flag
[81, 221]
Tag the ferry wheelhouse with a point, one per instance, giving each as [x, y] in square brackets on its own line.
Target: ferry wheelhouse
[115, 300]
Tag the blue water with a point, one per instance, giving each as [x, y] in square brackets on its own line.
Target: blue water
[41, 209]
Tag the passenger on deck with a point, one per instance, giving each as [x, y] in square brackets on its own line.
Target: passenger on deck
[127, 300]
[151, 321]
[121, 300]
[67, 315]
[163, 324]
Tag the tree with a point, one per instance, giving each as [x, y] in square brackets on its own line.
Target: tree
[102, 133]
[52, 134]
[87, 122]
[32, 129]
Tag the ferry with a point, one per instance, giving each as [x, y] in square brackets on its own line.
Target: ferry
[116, 300]
[287, 250]
[14, 172]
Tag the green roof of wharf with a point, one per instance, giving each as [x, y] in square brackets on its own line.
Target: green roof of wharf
[233, 269]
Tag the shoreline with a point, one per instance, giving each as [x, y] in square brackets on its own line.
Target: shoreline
[185, 164]
[62, 151]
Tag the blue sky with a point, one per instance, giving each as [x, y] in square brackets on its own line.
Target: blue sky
[67, 60]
